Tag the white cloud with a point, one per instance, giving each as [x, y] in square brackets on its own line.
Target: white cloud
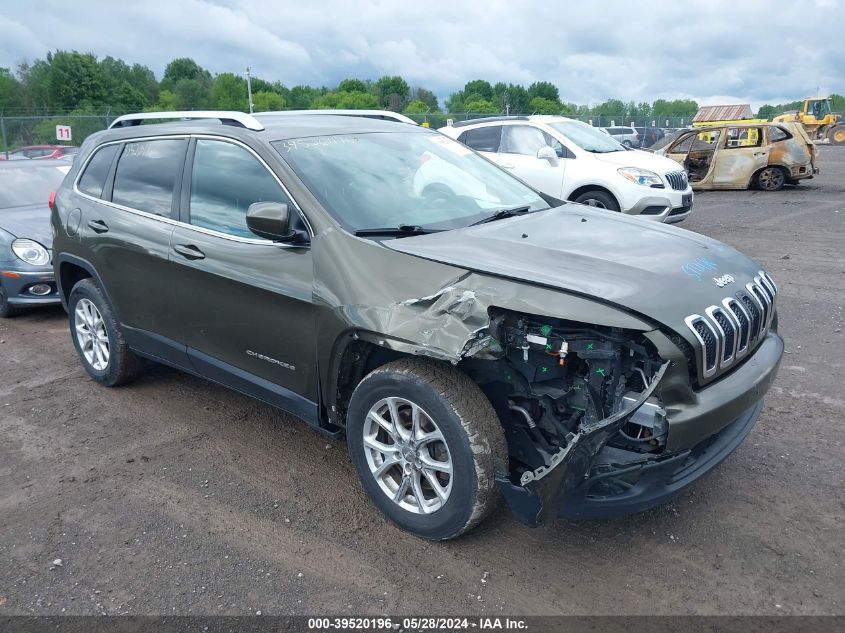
[750, 51]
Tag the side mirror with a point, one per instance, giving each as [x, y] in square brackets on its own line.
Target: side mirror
[271, 220]
[547, 153]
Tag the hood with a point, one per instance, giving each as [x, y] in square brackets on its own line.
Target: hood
[31, 222]
[637, 158]
[658, 271]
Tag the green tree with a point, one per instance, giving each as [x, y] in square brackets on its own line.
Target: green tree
[192, 94]
[10, 91]
[352, 85]
[455, 102]
[229, 92]
[166, 102]
[426, 96]
[75, 81]
[416, 107]
[267, 101]
[544, 89]
[481, 106]
[180, 69]
[480, 88]
[346, 101]
[541, 105]
[512, 98]
[392, 92]
[301, 97]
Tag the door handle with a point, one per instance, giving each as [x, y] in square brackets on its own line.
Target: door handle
[98, 226]
[189, 251]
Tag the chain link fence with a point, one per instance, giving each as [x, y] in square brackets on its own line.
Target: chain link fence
[21, 131]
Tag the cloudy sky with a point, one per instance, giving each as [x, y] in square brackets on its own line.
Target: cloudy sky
[711, 50]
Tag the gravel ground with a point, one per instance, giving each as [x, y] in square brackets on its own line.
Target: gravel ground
[175, 496]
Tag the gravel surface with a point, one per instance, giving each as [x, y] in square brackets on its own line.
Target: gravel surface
[174, 496]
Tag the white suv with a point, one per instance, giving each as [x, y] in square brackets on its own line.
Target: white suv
[570, 160]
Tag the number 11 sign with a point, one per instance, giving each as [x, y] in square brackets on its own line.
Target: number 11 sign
[63, 133]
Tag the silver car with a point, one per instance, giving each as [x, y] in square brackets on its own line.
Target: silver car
[625, 134]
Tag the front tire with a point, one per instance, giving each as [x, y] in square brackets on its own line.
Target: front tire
[426, 444]
[599, 199]
[7, 310]
[97, 337]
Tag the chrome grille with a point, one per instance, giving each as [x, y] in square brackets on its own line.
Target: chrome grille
[742, 321]
[728, 331]
[677, 180]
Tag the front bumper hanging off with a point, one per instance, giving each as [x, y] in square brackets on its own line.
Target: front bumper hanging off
[538, 495]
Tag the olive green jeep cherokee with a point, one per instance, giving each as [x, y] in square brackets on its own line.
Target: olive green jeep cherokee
[470, 337]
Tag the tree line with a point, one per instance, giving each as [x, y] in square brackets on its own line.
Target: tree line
[73, 83]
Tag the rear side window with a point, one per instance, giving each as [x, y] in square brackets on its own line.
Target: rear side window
[483, 139]
[94, 178]
[226, 179]
[778, 134]
[146, 174]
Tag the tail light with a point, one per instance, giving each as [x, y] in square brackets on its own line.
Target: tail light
[52, 201]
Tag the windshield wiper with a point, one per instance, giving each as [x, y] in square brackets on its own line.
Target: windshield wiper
[503, 213]
[401, 230]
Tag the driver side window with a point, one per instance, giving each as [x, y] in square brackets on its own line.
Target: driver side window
[225, 180]
[522, 139]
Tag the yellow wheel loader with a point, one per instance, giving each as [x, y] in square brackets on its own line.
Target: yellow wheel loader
[818, 120]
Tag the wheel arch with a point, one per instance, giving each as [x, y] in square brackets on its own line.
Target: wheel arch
[753, 180]
[71, 270]
[355, 354]
[593, 187]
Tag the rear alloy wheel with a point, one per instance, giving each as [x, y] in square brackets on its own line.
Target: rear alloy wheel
[599, 199]
[770, 179]
[97, 337]
[427, 444]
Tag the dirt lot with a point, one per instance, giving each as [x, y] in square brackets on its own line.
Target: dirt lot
[175, 496]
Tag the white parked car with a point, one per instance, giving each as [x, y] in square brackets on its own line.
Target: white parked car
[570, 160]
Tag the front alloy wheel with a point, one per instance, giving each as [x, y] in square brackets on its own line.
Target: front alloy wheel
[407, 455]
[427, 445]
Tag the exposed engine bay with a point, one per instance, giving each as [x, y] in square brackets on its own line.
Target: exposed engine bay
[554, 379]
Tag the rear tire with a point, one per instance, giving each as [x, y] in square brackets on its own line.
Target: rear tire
[97, 337]
[770, 179]
[7, 310]
[597, 198]
[426, 444]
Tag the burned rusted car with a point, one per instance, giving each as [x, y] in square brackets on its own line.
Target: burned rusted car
[766, 156]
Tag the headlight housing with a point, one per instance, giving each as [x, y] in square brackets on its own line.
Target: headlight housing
[31, 252]
[640, 176]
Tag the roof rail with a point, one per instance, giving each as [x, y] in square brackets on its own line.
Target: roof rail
[488, 119]
[225, 117]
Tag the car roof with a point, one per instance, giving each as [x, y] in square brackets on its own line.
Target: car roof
[274, 129]
[371, 114]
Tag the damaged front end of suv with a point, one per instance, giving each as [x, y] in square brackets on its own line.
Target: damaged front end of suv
[606, 408]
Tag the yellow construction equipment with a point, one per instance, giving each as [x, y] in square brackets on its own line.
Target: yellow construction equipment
[818, 119]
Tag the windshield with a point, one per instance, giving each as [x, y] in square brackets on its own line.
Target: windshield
[392, 179]
[587, 137]
[25, 185]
